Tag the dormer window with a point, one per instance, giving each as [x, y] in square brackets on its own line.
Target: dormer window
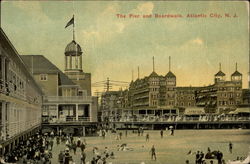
[43, 77]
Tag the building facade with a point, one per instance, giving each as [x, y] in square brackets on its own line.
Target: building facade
[64, 100]
[156, 94]
[229, 93]
[20, 97]
[67, 95]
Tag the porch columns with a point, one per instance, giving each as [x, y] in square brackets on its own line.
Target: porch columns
[90, 112]
[66, 62]
[3, 129]
[70, 62]
[81, 62]
[57, 111]
[76, 112]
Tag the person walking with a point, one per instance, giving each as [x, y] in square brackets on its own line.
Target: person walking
[57, 140]
[219, 157]
[230, 147]
[197, 157]
[74, 146]
[78, 142]
[51, 144]
[172, 131]
[201, 156]
[153, 153]
[161, 133]
[82, 147]
[93, 161]
[61, 157]
[120, 135]
[66, 156]
[83, 157]
[147, 137]
[103, 134]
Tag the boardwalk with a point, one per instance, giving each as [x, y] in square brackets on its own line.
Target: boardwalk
[170, 149]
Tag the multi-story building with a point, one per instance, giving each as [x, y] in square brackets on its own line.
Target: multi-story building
[186, 96]
[170, 89]
[206, 97]
[246, 97]
[155, 93]
[67, 95]
[20, 98]
[111, 103]
[229, 93]
[151, 95]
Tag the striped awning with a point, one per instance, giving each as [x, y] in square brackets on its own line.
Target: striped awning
[194, 111]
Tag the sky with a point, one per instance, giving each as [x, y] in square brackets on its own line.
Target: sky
[114, 46]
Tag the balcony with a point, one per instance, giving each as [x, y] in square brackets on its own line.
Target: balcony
[64, 99]
[3, 87]
[69, 119]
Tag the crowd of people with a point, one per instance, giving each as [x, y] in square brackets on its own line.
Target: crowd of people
[210, 156]
[36, 150]
[71, 144]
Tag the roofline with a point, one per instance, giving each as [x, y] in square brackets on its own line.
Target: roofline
[18, 56]
[69, 86]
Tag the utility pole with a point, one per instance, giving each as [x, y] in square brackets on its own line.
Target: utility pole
[108, 85]
[138, 72]
[153, 63]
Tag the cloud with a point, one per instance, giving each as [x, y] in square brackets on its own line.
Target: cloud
[33, 9]
[106, 29]
[197, 41]
[120, 27]
[145, 8]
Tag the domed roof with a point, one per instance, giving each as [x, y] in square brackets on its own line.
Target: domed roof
[73, 49]
[170, 75]
[236, 73]
[220, 73]
[153, 74]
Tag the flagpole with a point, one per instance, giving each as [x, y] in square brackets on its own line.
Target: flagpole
[73, 28]
[76, 57]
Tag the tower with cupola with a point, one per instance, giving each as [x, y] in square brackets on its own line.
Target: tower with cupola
[73, 65]
[170, 86]
[219, 76]
[236, 76]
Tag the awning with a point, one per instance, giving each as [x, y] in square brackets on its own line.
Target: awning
[194, 111]
[47, 130]
[68, 130]
[242, 110]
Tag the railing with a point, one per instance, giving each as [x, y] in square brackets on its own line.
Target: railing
[65, 120]
[178, 119]
[67, 99]
[3, 87]
[10, 129]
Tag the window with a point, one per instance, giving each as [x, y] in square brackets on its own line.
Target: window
[43, 77]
